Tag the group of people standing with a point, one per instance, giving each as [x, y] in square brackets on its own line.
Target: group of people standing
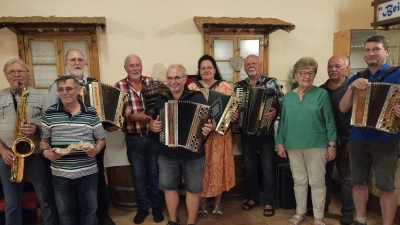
[314, 132]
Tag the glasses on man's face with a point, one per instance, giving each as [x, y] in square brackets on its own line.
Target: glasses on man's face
[74, 60]
[15, 72]
[206, 68]
[177, 78]
[303, 73]
[67, 89]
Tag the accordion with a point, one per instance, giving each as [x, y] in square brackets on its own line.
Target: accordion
[109, 103]
[150, 94]
[221, 108]
[255, 103]
[182, 124]
[373, 107]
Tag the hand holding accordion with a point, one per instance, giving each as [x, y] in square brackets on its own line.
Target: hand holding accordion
[373, 107]
[183, 123]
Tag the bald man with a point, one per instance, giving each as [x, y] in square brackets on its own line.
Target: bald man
[336, 86]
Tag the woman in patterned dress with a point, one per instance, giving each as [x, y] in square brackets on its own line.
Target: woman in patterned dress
[219, 169]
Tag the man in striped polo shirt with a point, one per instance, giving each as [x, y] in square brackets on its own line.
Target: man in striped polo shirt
[74, 175]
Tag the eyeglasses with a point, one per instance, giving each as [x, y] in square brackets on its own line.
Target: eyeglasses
[177, 79]
[79, 60]
[14, 72]
[311, 74]
[206, 68]
[67, 89]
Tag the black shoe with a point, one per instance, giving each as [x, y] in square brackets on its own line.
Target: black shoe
[140, 216]
[158, 216]
[346, 220]
[106, 221]
[173, 223]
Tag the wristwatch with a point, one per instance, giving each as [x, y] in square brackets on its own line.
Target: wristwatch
[332, 146]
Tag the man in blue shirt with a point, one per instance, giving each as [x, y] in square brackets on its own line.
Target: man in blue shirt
[373, 147]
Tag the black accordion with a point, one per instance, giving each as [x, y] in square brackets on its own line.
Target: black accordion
[373, 107]
[109, 103]
[221, 108]
[150, 94]
[255, 103]
[182, 124]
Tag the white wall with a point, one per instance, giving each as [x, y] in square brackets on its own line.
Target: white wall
[163, 31]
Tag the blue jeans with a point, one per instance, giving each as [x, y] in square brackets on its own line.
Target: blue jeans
[38, 171]
[70, 191]
[264, 145]
[143, 155]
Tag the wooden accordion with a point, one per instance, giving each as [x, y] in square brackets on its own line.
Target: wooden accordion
[255, 103]
[373, 107]
[150, 94]
[109, 103]
[221, 108]
[182, 124]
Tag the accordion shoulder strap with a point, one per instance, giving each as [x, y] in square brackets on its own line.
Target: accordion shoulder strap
[243, 83]
[168, 96]
[90, 80]
[198, 84]
[364, 73]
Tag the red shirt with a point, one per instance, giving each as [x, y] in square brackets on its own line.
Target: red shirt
[137, 104]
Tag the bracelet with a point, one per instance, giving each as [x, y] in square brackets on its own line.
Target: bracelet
[332, 146]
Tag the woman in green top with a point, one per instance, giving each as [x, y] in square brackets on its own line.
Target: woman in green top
[307, 132]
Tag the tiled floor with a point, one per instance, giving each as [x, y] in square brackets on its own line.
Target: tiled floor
[234, 215]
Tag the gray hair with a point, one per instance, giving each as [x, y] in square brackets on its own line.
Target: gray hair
[15, 60]
[130, 57]
[305, 63]
[64, 79]
[184, 72]
[66, 54]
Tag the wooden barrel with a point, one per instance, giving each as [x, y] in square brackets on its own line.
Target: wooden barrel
[120, 185]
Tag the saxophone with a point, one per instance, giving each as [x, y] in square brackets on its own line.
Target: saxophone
[22, 146]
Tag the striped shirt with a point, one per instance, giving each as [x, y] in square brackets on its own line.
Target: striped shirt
[137, 104]
[64, 129]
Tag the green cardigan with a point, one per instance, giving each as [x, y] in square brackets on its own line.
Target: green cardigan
[309, 123]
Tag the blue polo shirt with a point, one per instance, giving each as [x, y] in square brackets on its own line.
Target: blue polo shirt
[366, 134]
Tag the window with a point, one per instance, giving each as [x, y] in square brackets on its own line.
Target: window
[43, 42]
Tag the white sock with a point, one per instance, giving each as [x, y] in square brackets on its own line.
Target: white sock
[362, 220]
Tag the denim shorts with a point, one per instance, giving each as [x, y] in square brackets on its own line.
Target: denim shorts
[381, 155]
[171, 171]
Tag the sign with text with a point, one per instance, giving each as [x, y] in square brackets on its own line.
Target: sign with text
[386, 13]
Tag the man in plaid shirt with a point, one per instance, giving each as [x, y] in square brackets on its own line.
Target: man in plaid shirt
[261, 145]
[141, 150]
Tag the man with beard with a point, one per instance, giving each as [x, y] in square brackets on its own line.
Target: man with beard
[35, 165]
[75, 61]
[369, 146]
[261, 145]
[142, 151]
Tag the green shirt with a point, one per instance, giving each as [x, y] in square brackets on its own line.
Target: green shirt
[309, 123]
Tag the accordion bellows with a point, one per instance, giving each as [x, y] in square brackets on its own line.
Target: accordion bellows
[109, 103]
[373, 107]
[255, 103]
[150, 94]
[222, 107]
[182, 124]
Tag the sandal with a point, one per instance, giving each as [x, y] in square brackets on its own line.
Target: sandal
[202, 213]
[247, 207]
[296, 220]
[269, 212]
[216, 214]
